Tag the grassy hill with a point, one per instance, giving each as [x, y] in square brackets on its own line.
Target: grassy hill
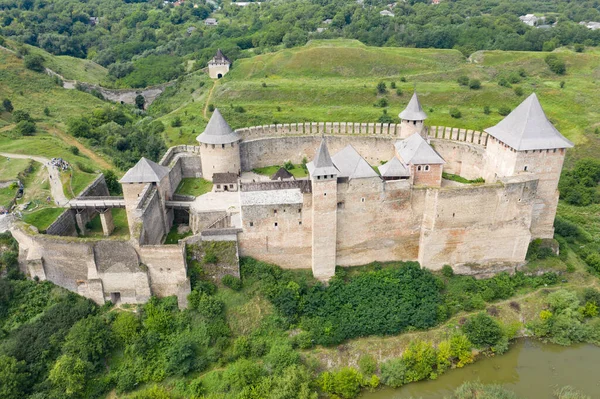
[336, 81]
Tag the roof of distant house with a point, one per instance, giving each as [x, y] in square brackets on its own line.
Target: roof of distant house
[528, 128]
[416, 151]
[352, 165]
[413, 111]
[386, 13]
[322, 165]
[225, 178]
[218, 131]
[394, 168]
[282, 174]
[145, 171]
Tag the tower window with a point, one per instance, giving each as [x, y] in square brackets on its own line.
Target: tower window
[213, 146]
[299, 210]
[415, 123]
[525, 168]
[275, 224]
[275, 211]
[419, 168]
[324, 194]
[300, 223]
[362, 199]
[340, 205]
[251, 224]
[222, 145]
[426, 168]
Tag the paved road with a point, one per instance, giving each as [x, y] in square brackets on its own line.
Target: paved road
[56, 187]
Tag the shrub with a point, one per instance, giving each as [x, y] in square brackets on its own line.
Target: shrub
[381, 89]
[399, 92]
[518, 91]
[344, 383]
[463, 80]
[455, 113]
[232, 282]
[34, 62]
[447, 271]
[393, 85]
[556, 64]
[504, 110]
[19, 116]
[474, 84]
[482, 330]
[367, 364]
[239, 109]
[288, 165]
[487, 110]
[211, 108]
[403, 79]
[26, 128]
[503, 82]
[514, 78]
[381, 103]
[385, 118]
[562, 84]
[7, 105]
[74, 150]
[578, 47]
[393, 373]
[176, 122]
[263, 84]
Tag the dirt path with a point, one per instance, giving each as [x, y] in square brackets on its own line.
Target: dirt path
[209, 97]
[70, 140]
[56, 187]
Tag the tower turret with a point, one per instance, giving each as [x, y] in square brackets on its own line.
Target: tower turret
[219, 147]
[323, 175]
[218, 66]
[526, 142]
[412, 119]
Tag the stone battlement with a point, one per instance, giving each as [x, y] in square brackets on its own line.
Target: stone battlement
[357, 129]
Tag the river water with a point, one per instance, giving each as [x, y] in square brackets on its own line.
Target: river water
[530, 368]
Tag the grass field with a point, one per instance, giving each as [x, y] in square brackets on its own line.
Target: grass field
[193, 186]
[42, 218]
[120, 220]
[336, 81]
[10, 168]
[297, 171]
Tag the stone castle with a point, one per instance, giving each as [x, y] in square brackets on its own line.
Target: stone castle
[373, 192]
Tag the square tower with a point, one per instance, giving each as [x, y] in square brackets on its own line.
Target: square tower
[323, 175]
[526, 142]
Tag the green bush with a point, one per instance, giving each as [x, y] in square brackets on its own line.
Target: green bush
[447, 271]
[367, 364]
[578, 186]
[455, 113]
[474, 84]
[232, 282]
[557, 65]
[482, 330]
[26, 128]
[344, 383]
[34, 62]
[393, 373]
[463, 80]
[518, 91]
[211, 108]
[381, 103]
[487, 110]
[504, 110]
[381, 89]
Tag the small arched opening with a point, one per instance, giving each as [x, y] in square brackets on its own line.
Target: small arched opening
[219, 75]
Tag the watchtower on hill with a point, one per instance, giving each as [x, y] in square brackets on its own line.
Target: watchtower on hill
[219, 147]
[218, 66]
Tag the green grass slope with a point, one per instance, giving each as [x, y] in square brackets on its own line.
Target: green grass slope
[336, 81]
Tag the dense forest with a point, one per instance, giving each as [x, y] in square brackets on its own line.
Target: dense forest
[130, 36]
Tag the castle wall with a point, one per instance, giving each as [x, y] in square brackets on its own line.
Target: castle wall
[463, 159]
[215, 69]
[274, 151]
[167, 271]
[64, 225]
[324, 227]
[199, 221]
[152, 220]
[484, 224]
[431, 177]
[288, 244]
[377, 220]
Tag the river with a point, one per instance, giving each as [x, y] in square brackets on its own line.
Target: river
[530, 369]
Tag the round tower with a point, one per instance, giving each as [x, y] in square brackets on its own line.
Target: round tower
[412, 119]
[219, 148]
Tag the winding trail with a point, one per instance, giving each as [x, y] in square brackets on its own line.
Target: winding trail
[56, 187]
[103, 163]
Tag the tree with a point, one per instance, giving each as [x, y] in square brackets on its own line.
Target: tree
[140, 101]
[176, 122]
[69, 375]
[557, 65]
[482, 330]
[579, 47]
[47, 111]
[463, 80]
[112, 182]
[7, 105]
[381, 89]
[455, 113]
[474, 84]
[26, 128]
[89, 339]
[20, 115]
[13, 378]
[34, 62]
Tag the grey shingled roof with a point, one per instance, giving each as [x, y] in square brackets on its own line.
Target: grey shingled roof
[394, 168]
[413, 111]
[218, 131]
[224, 178]
[415, 150]
[528, 128]
[145, 171]
[283, 174]
[220, 58]
[271, 197]
[350, 164]
[322, 164]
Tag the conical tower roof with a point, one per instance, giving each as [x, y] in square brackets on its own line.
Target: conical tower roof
[413, 111]
[220, 58]
[218, 131]
[322, 165]
[528, 128]
[145, 171]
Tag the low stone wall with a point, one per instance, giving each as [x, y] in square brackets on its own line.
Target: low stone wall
[178, 149]
[64, 225]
